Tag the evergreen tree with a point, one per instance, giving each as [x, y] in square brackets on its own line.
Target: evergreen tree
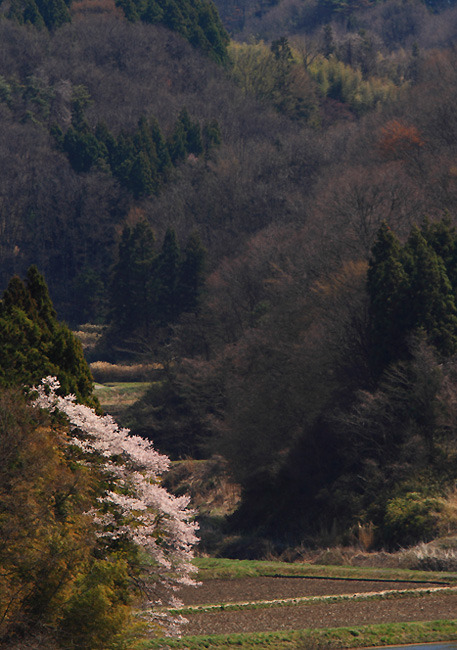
[152, 13]
[54, 12]
[196, 20]
[388, 286]
[177, 143]
[442, 237]
[141, 177]
[192, 131]
[410, 291]
[143, 140]
[130, 10]
[168, 270]
[40, 13]
[33, 343]
[162, 153]
[132, 300]
[431, 302]
[40, 298]
[105, 137]
[173, 17]
[211, 136]
[191, 274]
[185, 139]
[32, 15]
[83, 149]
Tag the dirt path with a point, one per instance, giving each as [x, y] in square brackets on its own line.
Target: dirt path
[431, 606]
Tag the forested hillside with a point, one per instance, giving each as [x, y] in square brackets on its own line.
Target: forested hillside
[272, 217]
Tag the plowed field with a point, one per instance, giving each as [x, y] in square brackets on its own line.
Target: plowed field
[417, 606]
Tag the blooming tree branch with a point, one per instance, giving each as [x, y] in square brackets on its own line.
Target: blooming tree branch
[134, 507]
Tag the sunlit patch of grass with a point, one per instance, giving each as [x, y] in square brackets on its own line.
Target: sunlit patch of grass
[323, 639]
[118, 395]
[228, 569]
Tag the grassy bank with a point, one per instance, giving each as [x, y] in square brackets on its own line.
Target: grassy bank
[211, 568]
[329, 639]
[114, 397]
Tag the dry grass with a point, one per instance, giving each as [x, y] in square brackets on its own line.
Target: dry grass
[104, 372]
[207, 483]
[431, 557]
[89, 335]
[366, 535]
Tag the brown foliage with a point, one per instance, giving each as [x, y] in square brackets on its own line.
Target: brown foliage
[399, 140]
[85, 7]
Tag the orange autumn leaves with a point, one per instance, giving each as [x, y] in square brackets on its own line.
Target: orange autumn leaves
[399, 140]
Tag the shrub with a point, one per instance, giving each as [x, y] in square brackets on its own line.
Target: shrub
[410, 519]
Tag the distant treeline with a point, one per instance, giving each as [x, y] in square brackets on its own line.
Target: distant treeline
[141, 161]
[196, 20]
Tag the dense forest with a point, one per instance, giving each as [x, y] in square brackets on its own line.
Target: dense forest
[261, 196]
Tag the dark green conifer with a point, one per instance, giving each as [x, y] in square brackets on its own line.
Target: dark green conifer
[191, 274]
[388, 286]
[442, 237]
[33, 344]
[168, 269]
[177, 143]
[40, 298]
[105, 137]
[153, 12]
[54, 12]
[83, 149]
[32, 15]
[431, 303]
[130, 9]
[163, 155]
[173, 17]
[132, 287]
[141, 178]
[410, 292]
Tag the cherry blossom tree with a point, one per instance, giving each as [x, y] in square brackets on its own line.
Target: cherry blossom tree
[133, 508]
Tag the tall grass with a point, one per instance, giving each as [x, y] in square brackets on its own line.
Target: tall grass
[104, 372]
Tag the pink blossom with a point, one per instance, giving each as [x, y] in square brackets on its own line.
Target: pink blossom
[136, 506]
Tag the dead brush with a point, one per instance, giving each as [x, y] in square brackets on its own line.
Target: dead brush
[366, 535]
[104, 372]
[425, 557]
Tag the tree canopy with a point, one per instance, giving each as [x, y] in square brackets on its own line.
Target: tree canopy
[34, 343]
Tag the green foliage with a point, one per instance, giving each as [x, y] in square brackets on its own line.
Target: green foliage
[196, 20]
[40, 13]
[54, 584]
[346, 84]
[33, 343]
[98, 608]
[410, 290]
[388, 286]
[191, 274]
[410, 519]
[274, 75]
[141, 161]
[45, 536]
[131, 295]
[150, 289]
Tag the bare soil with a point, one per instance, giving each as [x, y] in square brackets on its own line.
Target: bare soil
[432, 606]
